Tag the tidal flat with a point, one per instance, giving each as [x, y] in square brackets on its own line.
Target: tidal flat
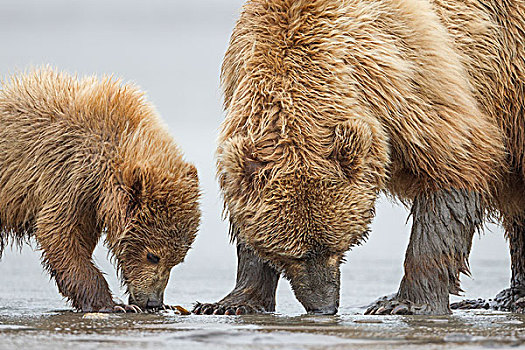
[68, 330]
[33, 315]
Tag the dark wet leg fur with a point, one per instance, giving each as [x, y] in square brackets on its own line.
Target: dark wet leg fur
[254, 291]
[513, 298]
[69, 261]
[440, 242]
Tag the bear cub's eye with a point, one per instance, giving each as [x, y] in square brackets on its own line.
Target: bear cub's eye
[152, 258]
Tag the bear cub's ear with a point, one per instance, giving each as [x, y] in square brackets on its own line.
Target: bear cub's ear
[252, 167]
[192, 172]
[131, 186]
[352, 144]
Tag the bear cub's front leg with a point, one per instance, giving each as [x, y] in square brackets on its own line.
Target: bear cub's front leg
[66, 253]
[443, 227]
[254, 291]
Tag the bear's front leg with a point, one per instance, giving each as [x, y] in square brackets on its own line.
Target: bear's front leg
[443, 226]
[254, 290]
[67, 247]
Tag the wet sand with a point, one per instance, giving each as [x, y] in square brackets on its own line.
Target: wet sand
[68, 330]
[33, 315]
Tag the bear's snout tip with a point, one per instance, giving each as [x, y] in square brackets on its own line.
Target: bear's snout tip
[153, 304]
[324, 311]
[145, 301]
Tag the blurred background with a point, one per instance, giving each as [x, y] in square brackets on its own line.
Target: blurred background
[173, 50]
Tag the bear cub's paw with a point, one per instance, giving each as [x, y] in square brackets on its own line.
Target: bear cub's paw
[122, 308]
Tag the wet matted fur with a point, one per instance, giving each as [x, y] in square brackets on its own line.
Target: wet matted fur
[80, 158]
[331, 102]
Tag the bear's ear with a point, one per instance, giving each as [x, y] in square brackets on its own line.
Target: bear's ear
[252, 167]
[236, 162]
[191, 172]
[236, 155]
[352, 143]
[131, 185]
[137, 187]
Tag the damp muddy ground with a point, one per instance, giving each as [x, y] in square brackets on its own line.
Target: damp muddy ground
[66, 330]
[32, 315]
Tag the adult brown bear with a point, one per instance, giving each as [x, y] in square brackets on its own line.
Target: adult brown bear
[80, 158]
[330, 102]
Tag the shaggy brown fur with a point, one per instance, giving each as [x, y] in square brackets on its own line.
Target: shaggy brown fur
[80, 158]
[330, 102]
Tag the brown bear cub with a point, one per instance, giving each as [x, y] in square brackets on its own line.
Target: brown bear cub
[331, 102]
[83, 158]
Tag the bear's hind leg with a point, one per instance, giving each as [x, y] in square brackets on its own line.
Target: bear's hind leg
[254, 290]
[443, 227]
[511, 299]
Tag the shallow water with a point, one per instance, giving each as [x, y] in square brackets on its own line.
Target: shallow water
[32, 314]
[66, 330]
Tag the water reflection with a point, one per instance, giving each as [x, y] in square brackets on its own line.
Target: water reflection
[165, 330]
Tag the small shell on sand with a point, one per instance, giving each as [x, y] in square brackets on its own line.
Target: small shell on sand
[95, 316]
[182, 310]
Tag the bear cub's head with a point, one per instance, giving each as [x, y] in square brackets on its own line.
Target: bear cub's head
[155, 221]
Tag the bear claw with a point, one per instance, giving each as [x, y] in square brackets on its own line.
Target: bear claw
[122, 308]
[400, 310]
[391, 306]
[218, 309]
[470, 304]
[136, 309]
[119, 308]
[510, 299]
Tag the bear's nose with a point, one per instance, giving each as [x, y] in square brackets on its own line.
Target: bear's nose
[153, 304]
[328, 310]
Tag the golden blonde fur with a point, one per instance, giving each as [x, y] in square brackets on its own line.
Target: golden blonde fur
[490, 39]
[330, 102]
[83, 157]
